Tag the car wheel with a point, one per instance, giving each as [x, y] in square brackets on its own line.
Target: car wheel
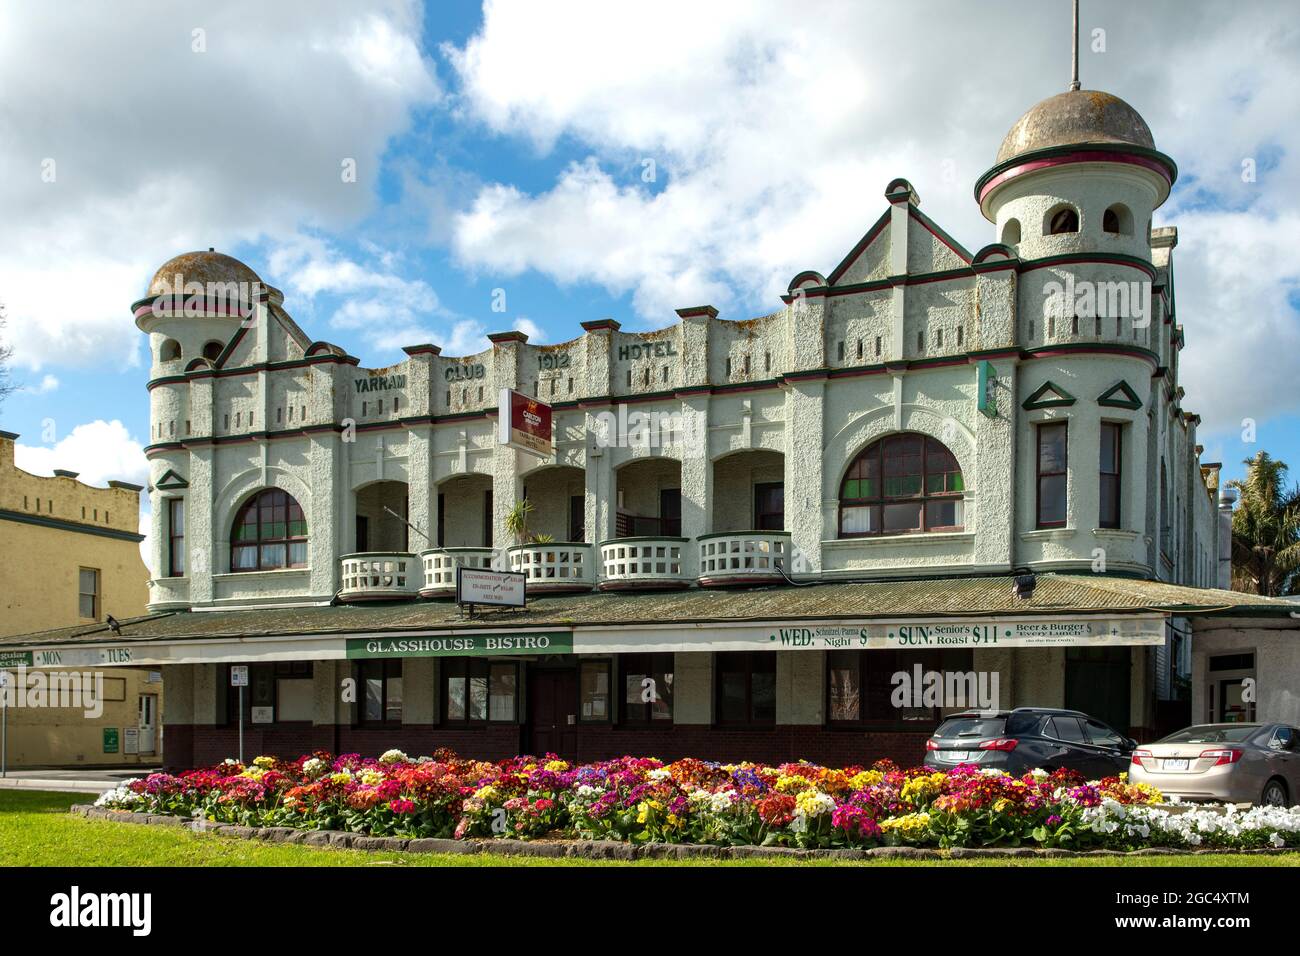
[1275, 794]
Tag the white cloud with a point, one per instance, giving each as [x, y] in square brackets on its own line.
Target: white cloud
[773, 129]
[159, 149]
[99, 451]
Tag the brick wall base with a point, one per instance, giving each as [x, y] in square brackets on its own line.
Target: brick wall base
[190, 745]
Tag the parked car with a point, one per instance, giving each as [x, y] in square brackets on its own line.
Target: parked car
[1230, 763]
[1030, 738]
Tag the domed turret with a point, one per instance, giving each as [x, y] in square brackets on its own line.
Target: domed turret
[1077, 173]
[194, 304]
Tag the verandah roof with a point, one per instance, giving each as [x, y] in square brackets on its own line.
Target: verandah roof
[1056, 595]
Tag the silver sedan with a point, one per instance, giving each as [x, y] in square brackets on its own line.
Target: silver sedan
[1227, 763]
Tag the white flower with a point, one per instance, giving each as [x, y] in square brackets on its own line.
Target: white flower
[1275, 838]
[393, 756]
[661, 773]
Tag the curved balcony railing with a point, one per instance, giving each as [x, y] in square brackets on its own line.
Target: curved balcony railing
[643, 562]
[744, 557]
[379, 576]
[555, 566]
[440, 566]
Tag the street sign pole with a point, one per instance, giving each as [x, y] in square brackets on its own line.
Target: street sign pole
[241, 723]
[4, 723]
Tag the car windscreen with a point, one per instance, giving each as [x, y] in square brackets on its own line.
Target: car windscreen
[977, 727]
[1213, 734]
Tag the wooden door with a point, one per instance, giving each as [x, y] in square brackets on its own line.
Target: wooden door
[552, 712]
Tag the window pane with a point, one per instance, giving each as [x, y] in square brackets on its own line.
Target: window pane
[732, 705]
[374, 698]
[902, 517]
[1109, 448]
[763, 692]
[243, 558]
[594, 694]
[273, 556]
[478, 698]
[89, 580]
[86, 606]
[177, 517]
[393, 709]
[1109, 501]
[455, 698]
[1051, 499]
[846, 698]
[944, 514]
[298, 554]
[1051, 448]
[861, 520]
[502, 698]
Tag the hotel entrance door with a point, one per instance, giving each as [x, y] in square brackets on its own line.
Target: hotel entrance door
[552, 711]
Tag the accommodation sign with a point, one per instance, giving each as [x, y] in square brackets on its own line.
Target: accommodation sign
[460, 645]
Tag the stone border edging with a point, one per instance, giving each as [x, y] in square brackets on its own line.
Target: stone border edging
[614, 849]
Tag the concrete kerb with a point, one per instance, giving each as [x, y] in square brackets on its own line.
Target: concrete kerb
[614, 850]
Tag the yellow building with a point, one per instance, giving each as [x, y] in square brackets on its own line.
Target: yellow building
[70, 556]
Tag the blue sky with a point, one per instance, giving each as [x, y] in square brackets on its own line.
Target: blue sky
[506, 146]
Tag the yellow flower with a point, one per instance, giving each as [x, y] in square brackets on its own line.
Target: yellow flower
[786, 784]
[867, 778]
[264, 762]
[557, 766]
[910, 824]
[372, 777]
[1001, 805]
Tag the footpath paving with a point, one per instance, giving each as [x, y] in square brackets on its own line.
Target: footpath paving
[78, 780]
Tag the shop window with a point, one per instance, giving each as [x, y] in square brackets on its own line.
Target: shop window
[746, 688]
[899, 484]
[477, 691]
[380, 697]
[176, 537]
[269, 532]
[594, 692]
[862, 687]
[1227, 700]
[1111, 450]
[88, 594]
[646, 682]
[1051, 464]
[769, 506]
[284, 688]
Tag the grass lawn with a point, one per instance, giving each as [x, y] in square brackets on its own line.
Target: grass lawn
[36, 829]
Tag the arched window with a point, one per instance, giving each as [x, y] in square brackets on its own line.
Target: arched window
[1062, 220]
[901, 483]
[212, 351]
[169, 351]
[269, 532]
[1117, 220]
[1011, 232]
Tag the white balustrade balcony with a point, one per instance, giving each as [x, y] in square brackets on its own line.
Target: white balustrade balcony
[653, 562]
[440, 566]
[379, 576]
[744, 557]
[555, 566]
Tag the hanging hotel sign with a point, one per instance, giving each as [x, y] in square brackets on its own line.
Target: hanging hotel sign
[524, 423]
[461, 645]
[920, 634]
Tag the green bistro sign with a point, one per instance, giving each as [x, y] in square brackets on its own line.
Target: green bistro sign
[461, 645]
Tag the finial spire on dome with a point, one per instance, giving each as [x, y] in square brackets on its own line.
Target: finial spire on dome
[1074, 58]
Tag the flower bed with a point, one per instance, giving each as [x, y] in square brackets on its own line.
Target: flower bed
[642, 800]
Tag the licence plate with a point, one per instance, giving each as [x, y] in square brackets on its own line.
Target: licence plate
[957, 756]
[1172, 764]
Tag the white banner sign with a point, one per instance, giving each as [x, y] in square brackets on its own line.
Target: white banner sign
[83, 657]
[917, 634]
[489, 587]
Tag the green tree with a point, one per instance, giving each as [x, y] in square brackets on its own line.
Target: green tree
[1266, 529]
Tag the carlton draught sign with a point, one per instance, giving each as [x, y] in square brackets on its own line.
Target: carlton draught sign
[524, 423]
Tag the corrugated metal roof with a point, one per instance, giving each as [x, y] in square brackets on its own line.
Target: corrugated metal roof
[1056, 594]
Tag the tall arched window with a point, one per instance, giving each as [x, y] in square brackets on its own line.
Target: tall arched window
[901, 483]
[269, 532]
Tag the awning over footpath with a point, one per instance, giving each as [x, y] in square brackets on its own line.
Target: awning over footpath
[1064, 609]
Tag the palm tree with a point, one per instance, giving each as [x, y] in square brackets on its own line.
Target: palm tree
[517, 524]
[1266, 529]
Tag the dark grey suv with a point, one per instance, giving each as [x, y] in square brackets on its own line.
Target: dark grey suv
[1030, 738]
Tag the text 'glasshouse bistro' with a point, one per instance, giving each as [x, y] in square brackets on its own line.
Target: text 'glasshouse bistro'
[921, 483]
